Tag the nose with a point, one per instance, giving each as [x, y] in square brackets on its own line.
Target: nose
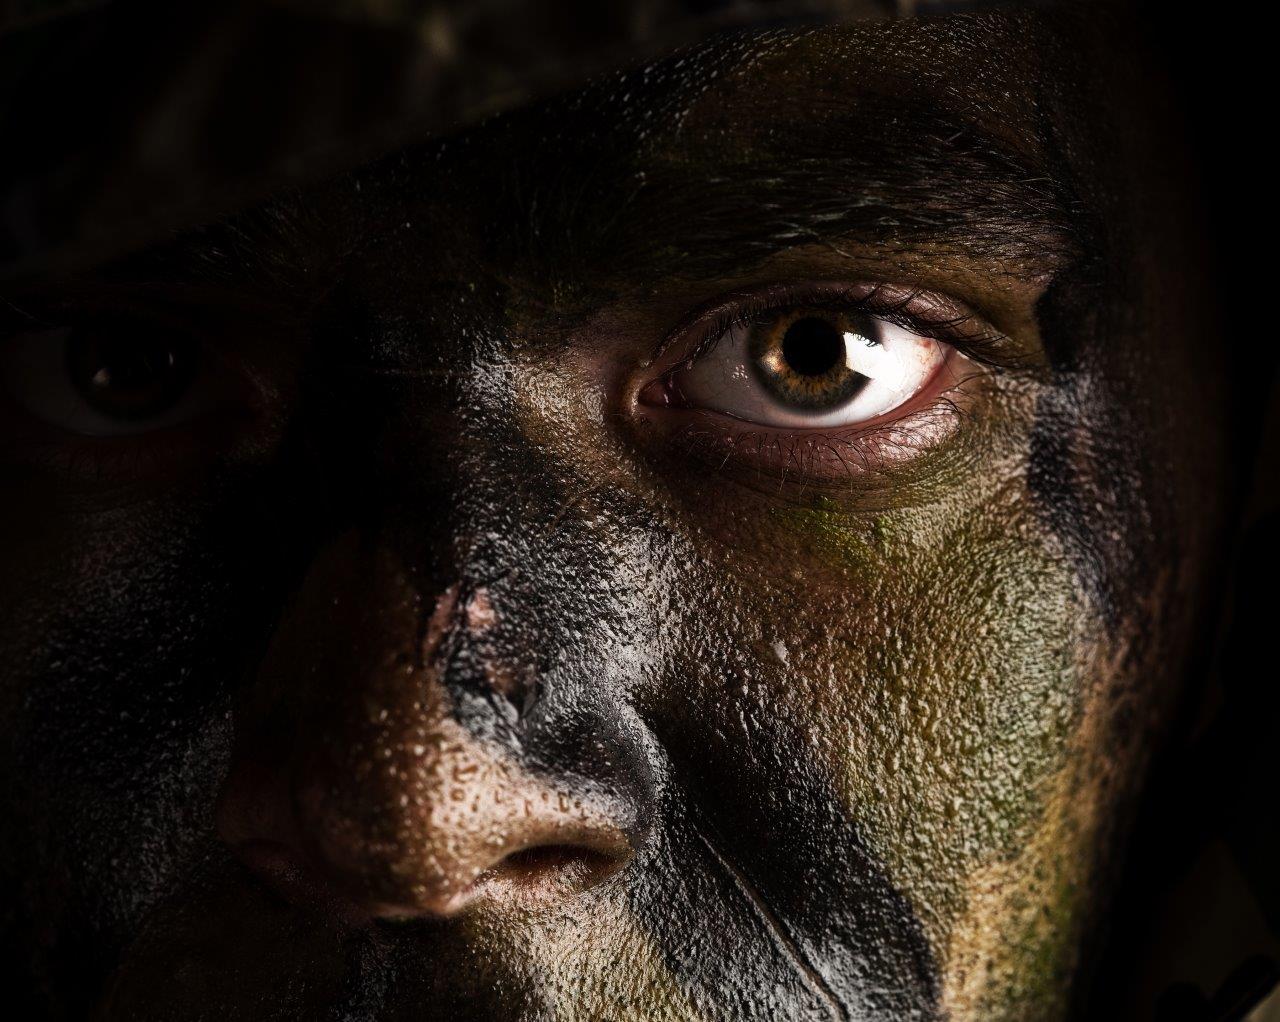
[354, 785]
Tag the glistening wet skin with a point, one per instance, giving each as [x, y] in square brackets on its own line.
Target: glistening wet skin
[599, 563]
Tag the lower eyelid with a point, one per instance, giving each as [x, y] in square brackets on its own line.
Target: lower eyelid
[823, 456]
[160, 455]
[224, 429]
[800, 467]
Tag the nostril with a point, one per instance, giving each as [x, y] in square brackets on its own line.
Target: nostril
[530, 863]
[550, 870]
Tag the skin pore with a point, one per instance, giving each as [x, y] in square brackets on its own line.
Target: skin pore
[430, 666]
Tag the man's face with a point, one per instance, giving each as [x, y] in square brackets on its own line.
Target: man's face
[711, 546]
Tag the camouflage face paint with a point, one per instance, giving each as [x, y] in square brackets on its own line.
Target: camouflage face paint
[769, 746]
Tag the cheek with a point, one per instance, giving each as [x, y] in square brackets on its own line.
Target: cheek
[958, 682]
[946, 670]
[116, 687]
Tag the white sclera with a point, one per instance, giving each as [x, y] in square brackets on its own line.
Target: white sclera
[896, 367]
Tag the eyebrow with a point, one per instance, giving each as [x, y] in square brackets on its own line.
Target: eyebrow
[888, 174]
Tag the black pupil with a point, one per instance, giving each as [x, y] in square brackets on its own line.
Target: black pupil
[813, 346]
[130, 373]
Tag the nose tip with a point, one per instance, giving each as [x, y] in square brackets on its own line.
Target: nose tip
[464, 826]
[502, 871]
[424, 831]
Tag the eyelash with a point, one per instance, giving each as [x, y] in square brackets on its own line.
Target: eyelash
[963, 331]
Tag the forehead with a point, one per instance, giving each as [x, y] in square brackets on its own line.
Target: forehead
[229, 129]
[889, 90]
[914, 103]
[908, 135]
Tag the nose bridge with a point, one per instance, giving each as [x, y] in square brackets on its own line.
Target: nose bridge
[374, 781]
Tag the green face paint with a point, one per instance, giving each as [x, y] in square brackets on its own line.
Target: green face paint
[442, 649]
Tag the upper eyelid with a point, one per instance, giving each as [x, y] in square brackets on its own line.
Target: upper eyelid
[951, 322]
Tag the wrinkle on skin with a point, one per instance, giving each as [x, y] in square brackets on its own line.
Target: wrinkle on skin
[781, 934]
[689, 946]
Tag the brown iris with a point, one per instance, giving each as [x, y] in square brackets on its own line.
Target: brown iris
[130, 373]
[801, 356]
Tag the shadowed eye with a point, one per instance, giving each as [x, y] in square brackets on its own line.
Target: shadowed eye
[127, 389]
[810, 367]
[110, 377]
[130, 378]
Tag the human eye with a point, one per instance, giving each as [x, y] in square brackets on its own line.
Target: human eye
[119, 392]
[112, 377]
[821, 381]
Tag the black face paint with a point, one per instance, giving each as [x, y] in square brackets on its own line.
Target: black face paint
[462, 627]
